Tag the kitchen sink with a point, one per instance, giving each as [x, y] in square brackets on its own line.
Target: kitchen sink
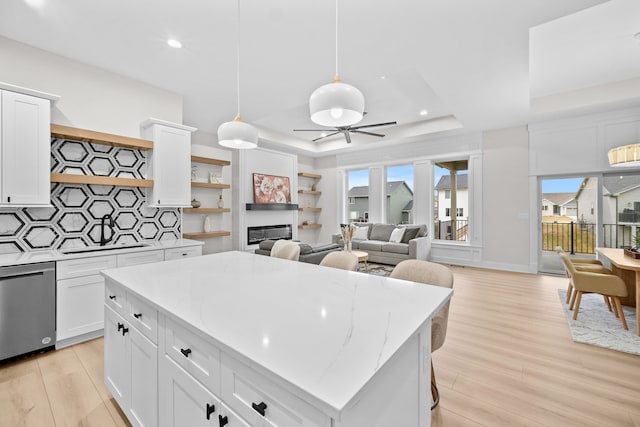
[103, 248]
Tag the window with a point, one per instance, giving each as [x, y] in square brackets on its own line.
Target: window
[358, 195]
[448, 197]
[399, 194]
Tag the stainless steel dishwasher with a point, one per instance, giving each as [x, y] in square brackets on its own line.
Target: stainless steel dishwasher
[27, 308]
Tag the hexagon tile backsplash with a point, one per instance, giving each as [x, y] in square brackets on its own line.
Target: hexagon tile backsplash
[74, 218]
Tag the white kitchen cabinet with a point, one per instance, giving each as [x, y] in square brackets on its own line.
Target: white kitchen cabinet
[186, 252]
[25, 150]
[131, 372]
[136, 258]
[169, 164]
[79, 297]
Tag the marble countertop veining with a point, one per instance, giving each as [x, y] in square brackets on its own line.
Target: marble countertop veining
[323, 330]
[36, 256]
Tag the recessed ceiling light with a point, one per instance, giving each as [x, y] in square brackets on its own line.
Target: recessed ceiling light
[323, 134]
[383, 77]
[174, 43]
[424, 112]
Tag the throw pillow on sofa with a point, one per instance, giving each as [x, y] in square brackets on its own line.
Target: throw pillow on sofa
[381, 232]
[360, 233]
[396, 235]
[409, 233]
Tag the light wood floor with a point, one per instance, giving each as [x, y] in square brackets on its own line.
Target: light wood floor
[508, 361]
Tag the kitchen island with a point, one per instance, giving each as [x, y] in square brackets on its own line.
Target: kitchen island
[239, 339]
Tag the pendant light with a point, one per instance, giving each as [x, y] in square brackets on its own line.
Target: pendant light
[236, 133]
[337, 103]
[625, 156]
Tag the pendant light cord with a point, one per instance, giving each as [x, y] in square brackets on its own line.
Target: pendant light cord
[337, 38]
[238, 59]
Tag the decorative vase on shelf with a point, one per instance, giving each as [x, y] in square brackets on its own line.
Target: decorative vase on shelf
[207, 224]
[220, 202]
[195, 203]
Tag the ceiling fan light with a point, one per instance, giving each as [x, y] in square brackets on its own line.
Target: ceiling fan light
[237, 134]
[625, 156]
[336, 104]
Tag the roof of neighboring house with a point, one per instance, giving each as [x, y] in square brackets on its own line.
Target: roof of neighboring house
[621, 184]
[363, 190]
[408, 206]
[462, 183]
[559, 199]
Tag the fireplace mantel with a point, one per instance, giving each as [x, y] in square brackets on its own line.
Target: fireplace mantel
[272, 206]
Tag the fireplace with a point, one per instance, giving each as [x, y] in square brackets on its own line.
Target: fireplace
[257, 234]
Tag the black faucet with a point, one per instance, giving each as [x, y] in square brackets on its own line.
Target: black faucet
[111, 223]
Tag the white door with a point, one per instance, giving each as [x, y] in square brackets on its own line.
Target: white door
[183, 400]
[25, 146]
[117, 350]
[144, 380]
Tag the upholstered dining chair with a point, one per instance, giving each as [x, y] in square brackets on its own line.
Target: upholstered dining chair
[432, 274]
[285, 249]
[608, 285]
[341, 259]
[582, 264]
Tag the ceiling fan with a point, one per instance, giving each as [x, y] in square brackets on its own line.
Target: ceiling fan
[347, 130]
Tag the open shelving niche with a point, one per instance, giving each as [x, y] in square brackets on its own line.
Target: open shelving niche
[207, 185]
[84, 135]
[309, 207]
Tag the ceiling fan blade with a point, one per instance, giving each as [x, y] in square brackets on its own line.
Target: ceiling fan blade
[374, 125]
[310, 130]
[347, 136]
[367, 133]
[326, 136]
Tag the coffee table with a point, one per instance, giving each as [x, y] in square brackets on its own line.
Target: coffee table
[362, 257]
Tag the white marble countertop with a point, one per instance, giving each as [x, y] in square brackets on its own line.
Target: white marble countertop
[323, 330]
[31, 257]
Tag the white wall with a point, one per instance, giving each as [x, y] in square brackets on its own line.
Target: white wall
[91, 98]
[505, 205]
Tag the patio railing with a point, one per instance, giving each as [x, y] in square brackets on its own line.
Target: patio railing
[580, 238]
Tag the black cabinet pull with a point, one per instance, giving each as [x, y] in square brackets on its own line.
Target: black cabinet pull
[210, 410]
[223, 420]
[259, 408]
[137, 315]
[185, 352]
[9, 199]
[112, 297]
[124, 331]
[120, 326]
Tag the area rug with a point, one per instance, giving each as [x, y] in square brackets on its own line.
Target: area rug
[377, 269]
[596, 325]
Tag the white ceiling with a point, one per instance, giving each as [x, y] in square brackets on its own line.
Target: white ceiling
[463, 58]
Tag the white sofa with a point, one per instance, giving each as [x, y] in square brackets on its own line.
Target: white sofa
[416, 244]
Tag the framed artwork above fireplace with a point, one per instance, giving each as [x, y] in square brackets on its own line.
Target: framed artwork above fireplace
[271, 189]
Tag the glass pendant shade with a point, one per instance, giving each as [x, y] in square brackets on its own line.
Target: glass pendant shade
[336, 104]
[625, 156]
[237, 134]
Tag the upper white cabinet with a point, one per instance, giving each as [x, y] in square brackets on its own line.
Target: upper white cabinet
[169, 164]
[25, 140]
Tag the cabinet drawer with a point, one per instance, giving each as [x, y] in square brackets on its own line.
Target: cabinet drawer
[243, 390]
[143, 317]
[196, 356]
[136, 258]
[226, 415]
[115, 297]
[177, 253]
[84, 266]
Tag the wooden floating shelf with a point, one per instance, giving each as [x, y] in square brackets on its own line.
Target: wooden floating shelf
[305, 226]
[206, 235]
[210, 161]
[317, 193]
[309, 175]
[208, 185]
[309, 209]
[67, 132]
[67, 178]
[206, 210]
